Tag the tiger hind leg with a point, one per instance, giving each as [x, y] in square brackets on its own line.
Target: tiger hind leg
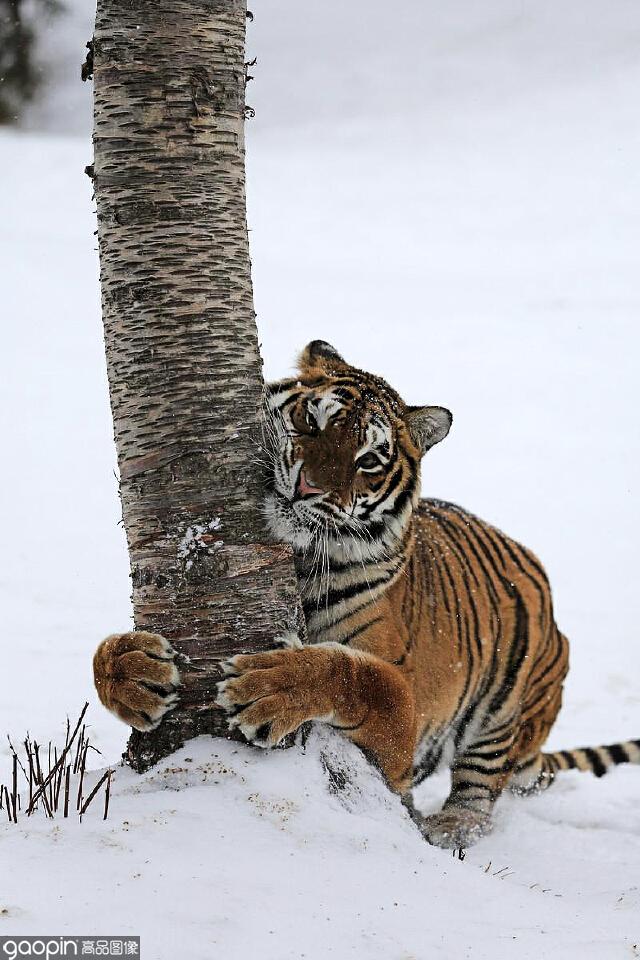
[478, 776]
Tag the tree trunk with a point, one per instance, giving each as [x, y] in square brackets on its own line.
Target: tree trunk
[181, 343]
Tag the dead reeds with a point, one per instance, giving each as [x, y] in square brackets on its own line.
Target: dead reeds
[54, 779]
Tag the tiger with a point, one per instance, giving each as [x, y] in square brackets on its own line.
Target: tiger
[430, 635]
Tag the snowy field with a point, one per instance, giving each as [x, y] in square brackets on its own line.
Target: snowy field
[455, 204]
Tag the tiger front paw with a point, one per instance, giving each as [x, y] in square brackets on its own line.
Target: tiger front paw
[269, 695]
[136, 677]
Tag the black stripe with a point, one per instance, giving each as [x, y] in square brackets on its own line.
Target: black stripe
[569, 757]
[498, 579]
[343, 393]
[285, 402]
[339, 596]
[464, 721]
[617, 753]
[489, 754]
[460, 786]
[434, 566]
[427, 765]
[402, 499]
[394, 478]
[444, 566]
[158, 688]
[543, 590]
[535, 679]
[474, 767]
[495, 734]
[311, 383]
[376, 483]
[356, 633]
[492, 575]
[517, 654]
[332, 622]
[597, 765]
[533, 560]
[464, 567]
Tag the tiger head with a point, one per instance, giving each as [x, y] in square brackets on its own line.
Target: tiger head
[346, 454]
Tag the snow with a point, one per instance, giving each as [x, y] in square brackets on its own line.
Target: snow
[224, 850]
[194, 541]
[460, 215]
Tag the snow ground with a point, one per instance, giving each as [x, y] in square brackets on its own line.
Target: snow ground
[226, 851]
[475, 241]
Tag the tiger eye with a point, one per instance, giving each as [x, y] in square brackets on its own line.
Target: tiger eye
[303, 421]
[368, 461]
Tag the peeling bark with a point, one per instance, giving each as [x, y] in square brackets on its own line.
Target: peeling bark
[181, 342]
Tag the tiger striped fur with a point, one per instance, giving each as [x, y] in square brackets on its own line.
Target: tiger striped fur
[430, 634]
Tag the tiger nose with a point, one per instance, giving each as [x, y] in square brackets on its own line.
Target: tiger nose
[305, 487]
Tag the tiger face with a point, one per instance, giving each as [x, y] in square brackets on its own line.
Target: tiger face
[346, 454]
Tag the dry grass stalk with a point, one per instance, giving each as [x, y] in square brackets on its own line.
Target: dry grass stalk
[45, 787]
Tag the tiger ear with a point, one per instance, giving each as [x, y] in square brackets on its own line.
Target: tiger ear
[321, 354]
[428, 425]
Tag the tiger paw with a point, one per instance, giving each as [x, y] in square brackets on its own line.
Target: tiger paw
[455, 827]
[136, 677]
[269, 695]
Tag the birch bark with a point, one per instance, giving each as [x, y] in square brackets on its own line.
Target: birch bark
[181, 343]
